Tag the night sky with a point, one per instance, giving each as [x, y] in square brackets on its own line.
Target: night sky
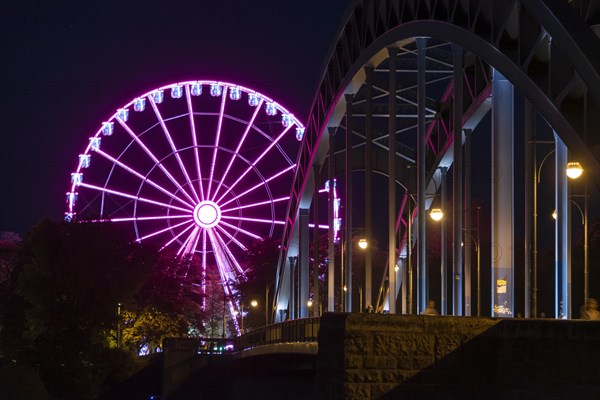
[68, 65]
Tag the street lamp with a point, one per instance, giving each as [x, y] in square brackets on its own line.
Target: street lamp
[436, 214]
[253, 304]
[363, 244]
[574, 171]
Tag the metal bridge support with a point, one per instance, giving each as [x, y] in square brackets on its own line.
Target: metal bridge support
[502, 197]
[392, 180]
[347, 279]
[562, 306]
[369, 187]
[444, 264]
[316, 245]
[303, 264]
[423, 292]
[468, 235]
[457, 167]
[331, 235]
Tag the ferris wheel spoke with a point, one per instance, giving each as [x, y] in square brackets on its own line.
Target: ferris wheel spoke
[142, 177]
[153, 157]
[236, 264]
[157, 217]
[173, 147]
[239, 146]
[262, 203]
[232, 238]
[259, 220]
[190, 221]
[134, 197]
[204, 269]
[217, 139]
[194, 140]
[189, 243]
[260, 157]
[291, 167]
[245, 232]
[176, 237]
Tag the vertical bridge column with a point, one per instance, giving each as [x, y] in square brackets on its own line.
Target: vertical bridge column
[368, 186]
[303, 256]
[457, 189]
[316, 244]
[347, 280]
[502, 197]
[423, 291]
[331, 236]
[562, 307]
[392, 180]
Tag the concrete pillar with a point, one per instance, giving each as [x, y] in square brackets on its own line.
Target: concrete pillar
[502, 197]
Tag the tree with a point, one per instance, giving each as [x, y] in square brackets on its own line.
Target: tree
[68, 281]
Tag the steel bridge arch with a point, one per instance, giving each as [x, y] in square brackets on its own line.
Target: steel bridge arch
[544, 48]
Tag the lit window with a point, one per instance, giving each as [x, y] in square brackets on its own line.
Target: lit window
[84, 160]
[139, 104]
[176, 92]
[271, 109]
[196, 89]
[123, 114]
[235, 93]
[95, 143]
[108, 128]
[253, 99]
[76, 178]
[216, 90]
[158, 96]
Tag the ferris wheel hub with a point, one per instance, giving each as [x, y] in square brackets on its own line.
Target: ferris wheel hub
[207, 214]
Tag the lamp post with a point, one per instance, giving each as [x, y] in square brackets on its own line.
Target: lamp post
[574, 171]
[363, 244]
[267, 301]
[253, 304]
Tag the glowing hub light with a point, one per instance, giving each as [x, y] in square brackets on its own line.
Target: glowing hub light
[84, 160]
[196, 89]
[95, 143]
[158, 96]
[108, 128]
[363, 244]
[176, 92]
[299, 133]
[574, 170]
[271, 109]
[253, 99]
[76, 178]
[139, 104]
[436, 214]
[123, 114]
[287, 120]
[207, 214]
[235, 93]
[216, 90]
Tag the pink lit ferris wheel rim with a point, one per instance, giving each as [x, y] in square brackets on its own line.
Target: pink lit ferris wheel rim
[205, 193]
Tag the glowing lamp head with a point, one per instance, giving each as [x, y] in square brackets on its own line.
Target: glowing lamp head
[574, 170]
[436, 214]
[554, 214]
[254, 303]
[309, 303]
[207, 214]
[363, 244]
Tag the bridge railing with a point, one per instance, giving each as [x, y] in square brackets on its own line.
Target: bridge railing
[293, 331]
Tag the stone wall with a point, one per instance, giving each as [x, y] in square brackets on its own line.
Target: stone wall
[374, 356]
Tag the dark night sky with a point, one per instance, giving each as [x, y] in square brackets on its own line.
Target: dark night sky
[67, 65]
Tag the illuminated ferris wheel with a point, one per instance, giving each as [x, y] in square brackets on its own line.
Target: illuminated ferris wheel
[202, 167]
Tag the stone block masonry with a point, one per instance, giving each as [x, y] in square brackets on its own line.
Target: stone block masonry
[376, 356]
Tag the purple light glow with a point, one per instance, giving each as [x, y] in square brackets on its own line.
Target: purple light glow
[180, 204]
